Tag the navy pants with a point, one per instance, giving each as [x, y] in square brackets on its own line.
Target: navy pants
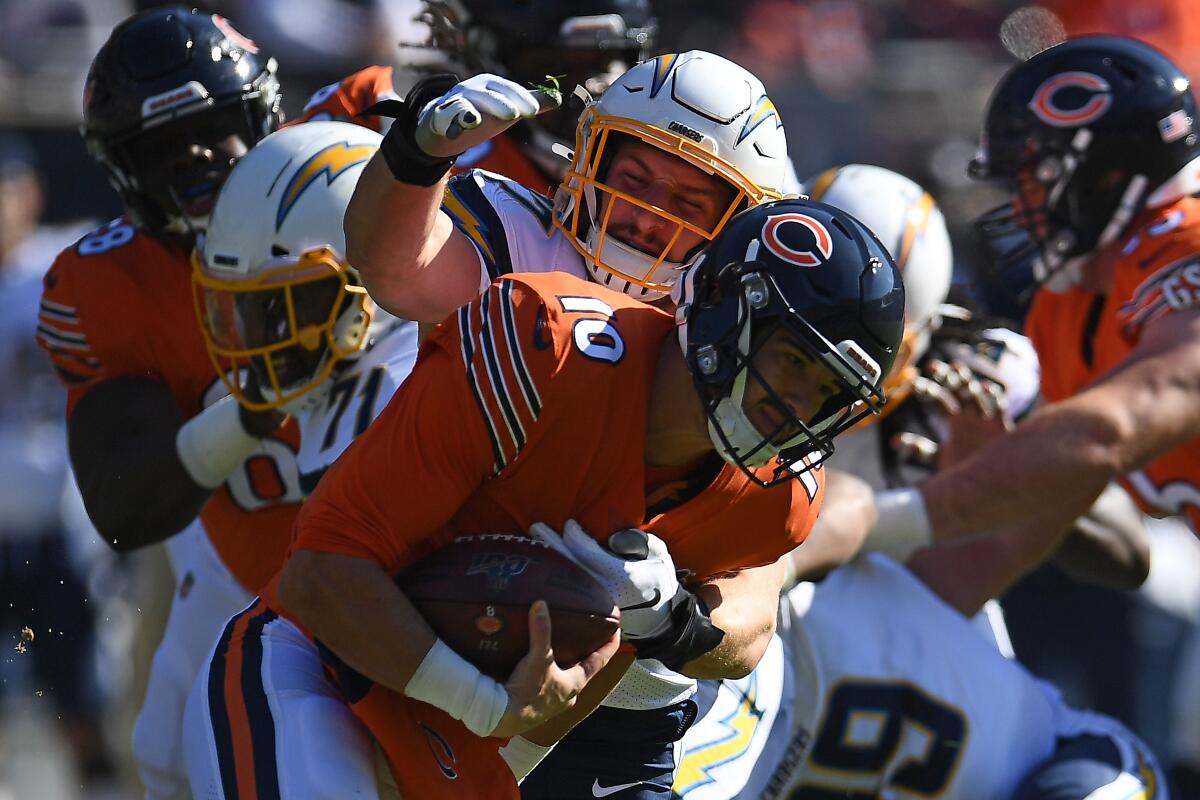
[615, 753]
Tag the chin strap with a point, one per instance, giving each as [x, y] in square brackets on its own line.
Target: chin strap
[687, 632]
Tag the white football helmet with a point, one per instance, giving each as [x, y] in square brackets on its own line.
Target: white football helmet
[695, 105]
[273, 290]
[908, 221]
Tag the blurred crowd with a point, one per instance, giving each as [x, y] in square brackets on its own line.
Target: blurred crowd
[897, 83]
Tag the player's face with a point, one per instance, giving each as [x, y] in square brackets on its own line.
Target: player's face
[192, 157]
[667, 182]
[264, 319]
[801, 382]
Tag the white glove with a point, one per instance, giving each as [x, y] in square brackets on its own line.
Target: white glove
[640, 574]
[484, 104]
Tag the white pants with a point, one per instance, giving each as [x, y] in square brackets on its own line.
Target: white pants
[303, 742]
[206, 595]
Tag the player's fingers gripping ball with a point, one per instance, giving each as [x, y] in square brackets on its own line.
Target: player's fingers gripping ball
[476, 593]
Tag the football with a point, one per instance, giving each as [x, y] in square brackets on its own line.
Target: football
[476, 591]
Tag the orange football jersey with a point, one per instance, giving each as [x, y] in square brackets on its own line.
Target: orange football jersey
[1080, 336]
[528, 405]
[119, 302]
[343, 101]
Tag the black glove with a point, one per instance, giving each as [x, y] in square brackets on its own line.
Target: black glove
[687, 633]
[408, 162]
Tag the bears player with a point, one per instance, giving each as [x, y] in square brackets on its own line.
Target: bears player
[116, 320]
[512, 388]
[968, 372]
[1095, 138]
[672, 149]
[152, 441]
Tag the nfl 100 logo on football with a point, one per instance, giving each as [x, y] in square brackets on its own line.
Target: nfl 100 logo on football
[498, 568]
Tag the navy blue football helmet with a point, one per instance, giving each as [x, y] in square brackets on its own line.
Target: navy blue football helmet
[816, 277]
[165, 78]
[1085, 134]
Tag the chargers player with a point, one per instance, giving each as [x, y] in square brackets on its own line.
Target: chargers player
[494, 407]
[914, 702]
[173, 99]
[727, 149]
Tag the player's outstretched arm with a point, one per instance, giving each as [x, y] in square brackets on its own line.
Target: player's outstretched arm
[144, 476]
[1051, 468]
[415, 263]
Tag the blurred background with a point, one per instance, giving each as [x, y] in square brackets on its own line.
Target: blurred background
[898, 83]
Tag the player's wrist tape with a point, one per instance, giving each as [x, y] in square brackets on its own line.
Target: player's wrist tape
[687, 633]
[447, 680]
[212, 444]
[406, 160]
[522, 756]
[903, 524]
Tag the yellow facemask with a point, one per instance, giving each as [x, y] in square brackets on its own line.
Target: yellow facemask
[291, 323]
[585, 202]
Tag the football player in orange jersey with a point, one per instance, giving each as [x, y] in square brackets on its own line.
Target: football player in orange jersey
[173, 99]
[513, 407]
[1096, 139]
[663, 159]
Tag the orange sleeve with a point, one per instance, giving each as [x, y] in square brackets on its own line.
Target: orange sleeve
[83, 319]
[807, 498]
[346, 99]
[467, 410]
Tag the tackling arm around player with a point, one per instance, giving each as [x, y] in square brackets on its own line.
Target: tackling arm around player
[660, 206]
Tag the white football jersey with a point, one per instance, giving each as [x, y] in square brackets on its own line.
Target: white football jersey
[882, 691]
[359, 392]
[510, 227]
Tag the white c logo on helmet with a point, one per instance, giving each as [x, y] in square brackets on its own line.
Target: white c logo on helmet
[801, 258]
[1043, 103]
